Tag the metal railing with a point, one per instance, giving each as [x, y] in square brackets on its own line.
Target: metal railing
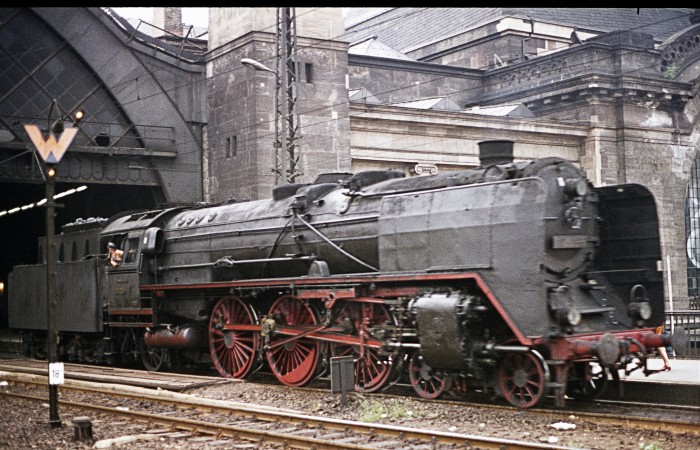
[688, 320]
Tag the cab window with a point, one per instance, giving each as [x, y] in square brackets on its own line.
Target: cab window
[131, 247]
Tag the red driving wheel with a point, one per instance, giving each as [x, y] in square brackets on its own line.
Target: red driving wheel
[293, 361]
[233, 351]
[372, 370]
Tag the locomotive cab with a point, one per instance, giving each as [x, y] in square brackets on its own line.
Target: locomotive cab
[124, 277]
[139, 236]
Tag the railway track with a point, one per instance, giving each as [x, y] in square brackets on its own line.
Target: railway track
[108, 374]
[642, 416]
[269, 426]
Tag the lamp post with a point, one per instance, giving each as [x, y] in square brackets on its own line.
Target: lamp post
[51, 152]
[280, 125]
[286, 118]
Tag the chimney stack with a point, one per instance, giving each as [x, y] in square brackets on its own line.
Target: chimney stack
[495, 152]
[168, 19]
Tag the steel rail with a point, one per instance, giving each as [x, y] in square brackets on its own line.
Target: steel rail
[642, 423]
[637, 422]
[202, 427]
[402, 434]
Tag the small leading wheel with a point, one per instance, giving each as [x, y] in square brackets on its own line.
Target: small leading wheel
[293, 360]
[233, 351]
[522, 378]
[372, 370]
[425, 382]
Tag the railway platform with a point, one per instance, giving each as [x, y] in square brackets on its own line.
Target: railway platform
[679, 386]
[682, 371]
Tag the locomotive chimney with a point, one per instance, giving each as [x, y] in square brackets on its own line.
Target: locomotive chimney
[495, 152]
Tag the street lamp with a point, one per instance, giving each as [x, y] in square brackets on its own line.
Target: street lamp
[51, 152]
[280, 135]
[287, 167]
[257, 65]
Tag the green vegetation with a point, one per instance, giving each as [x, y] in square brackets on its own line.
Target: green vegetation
[650, 446]
[371, 410]
[671, 71]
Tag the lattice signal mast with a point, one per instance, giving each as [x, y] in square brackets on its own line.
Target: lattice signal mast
[287, 167]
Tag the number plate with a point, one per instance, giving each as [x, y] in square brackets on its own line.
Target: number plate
[56, 373]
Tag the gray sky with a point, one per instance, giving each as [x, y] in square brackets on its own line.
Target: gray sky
[198, 17]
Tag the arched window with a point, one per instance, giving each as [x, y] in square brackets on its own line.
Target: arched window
[692, 231]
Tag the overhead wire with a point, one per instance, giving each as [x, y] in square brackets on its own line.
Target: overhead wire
[438, 78]
[190, 84]
[392, 141]
[326, 107]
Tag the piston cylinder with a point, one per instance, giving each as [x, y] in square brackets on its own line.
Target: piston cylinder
[439, 318]
[183, 337]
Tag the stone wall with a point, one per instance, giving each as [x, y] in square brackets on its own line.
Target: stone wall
[633, 114]
[242, 106]
[395, 81]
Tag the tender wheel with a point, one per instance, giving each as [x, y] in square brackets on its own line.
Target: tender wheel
[372, 370]
[590, 381]
[425, 382]
[38, 349]
[154, 359]
[233, 350]
[522, 378]
[293, 360]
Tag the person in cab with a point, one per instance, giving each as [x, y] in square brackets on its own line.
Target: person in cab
[115, 254]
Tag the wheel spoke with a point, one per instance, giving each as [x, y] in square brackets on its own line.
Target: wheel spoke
[372, 370]
[295, 362]
[233, 352]
[153, 358]
[587, 381]
[522, 379]
[426, 383]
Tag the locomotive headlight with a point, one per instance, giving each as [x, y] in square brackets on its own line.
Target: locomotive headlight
[569, 316]
[574, 217]
[573, 316]
[576, 187]
[640, 310]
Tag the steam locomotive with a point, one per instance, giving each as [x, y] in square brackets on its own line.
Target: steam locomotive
[515, 277]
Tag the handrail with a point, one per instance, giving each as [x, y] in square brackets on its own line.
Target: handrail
[689, 321]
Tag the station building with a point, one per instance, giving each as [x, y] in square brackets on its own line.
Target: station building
[174, 117]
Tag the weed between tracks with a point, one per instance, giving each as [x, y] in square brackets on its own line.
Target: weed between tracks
[650, 446]
[372, 410]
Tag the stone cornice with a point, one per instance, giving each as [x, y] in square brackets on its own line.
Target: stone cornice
[681, 50]
[644, 96]
[269, 38]
[373, 115]
[416, 66]
[589, 69]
